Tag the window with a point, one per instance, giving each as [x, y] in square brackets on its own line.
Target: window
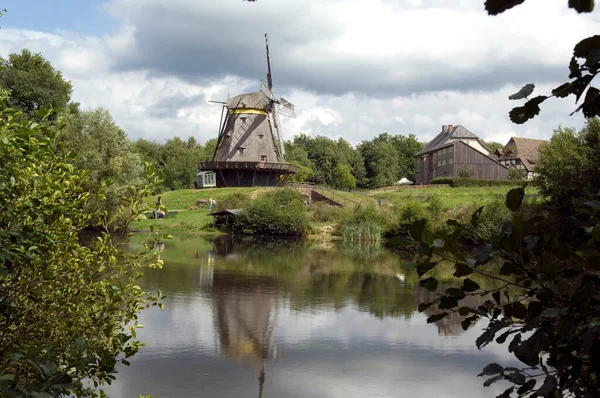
[260, 138]
[241, 151]
[443, 162]
[450, 161]
[263, 158]
[439, 163]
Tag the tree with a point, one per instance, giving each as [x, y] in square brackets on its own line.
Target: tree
[33, 83]
[515, 174]
[68, 313]
[343, 178]
[547, 304]
[494, 146]
[568, 174]
[583, 68]
[98, 145]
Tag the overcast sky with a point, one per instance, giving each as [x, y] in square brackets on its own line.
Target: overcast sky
[353, 68]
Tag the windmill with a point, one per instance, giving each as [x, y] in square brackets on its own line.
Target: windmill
[250, 149]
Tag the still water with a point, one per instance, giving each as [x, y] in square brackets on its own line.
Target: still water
[297, 319]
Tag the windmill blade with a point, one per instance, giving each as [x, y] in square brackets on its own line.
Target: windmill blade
[265, 90]
[286, 108]
[276, 132]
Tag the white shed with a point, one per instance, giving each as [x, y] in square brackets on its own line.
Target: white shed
[206, 179]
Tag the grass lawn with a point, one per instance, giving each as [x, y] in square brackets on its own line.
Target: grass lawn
[179, 218]
[452, 197]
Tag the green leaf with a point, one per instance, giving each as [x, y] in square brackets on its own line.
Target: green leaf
[594, 204]
[466, 323]
[495, 7]
[430, 284]
[491, 369]
[521, 114]
[553, 312]
[469, 285]
[475, 216]
[574, 69]
[80, 344]
[422, 268]
[548, 388]
[423, 306]
[514, 198]
[448, 302]
[464, 311]
[582, 5]
[591, 104]
[417, 229]
[437, 317]
[462, 269]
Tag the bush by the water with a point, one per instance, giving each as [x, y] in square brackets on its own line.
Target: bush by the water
[278, 213]
[364, 222]
[404, 215]
[473, 182]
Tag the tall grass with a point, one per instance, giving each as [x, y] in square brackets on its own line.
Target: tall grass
[363, 231]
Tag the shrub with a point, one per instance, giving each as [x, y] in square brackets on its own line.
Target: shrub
[323, 212]
[409, 212]
[435, 206]
[234, 201]
[278, 213]
[516, 174]
[456, 182]
[363, 231]
[465, 172]
[363, 222]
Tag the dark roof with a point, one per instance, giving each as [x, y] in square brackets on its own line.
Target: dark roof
[525, 149]
[256, 100]
[441, 140]
[234, 212]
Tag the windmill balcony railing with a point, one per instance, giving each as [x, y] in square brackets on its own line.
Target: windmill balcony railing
[282, 168]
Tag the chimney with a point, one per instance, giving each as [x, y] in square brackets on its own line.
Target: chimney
[450, 128]
[444, 128]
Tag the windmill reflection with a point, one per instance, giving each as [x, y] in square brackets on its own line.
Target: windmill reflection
[245, 318]
[244, 313]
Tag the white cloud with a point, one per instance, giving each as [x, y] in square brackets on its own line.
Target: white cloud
[353, 68]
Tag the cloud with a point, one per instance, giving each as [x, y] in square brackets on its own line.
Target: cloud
[353, 68]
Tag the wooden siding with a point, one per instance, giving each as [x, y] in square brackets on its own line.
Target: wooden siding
[482, 166]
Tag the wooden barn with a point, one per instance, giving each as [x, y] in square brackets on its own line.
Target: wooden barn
[453, 149]
[521, 153]
[250, 150]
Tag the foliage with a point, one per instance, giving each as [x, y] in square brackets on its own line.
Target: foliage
[363, 231]
[323, 212]
[98, 145]
[33, 83]
[276, 213]
[404, 215]
[389, 158]
[175, 161]
[472, 182]
[375, 163]
[235, 200]
[552, 316]
[435, 206]
[343, 178]
[583, 68]
[68, 313]
[464, 172]
[515, 174]
[569, 165]
[493, 146]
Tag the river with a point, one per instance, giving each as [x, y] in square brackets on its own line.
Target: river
[277, 318]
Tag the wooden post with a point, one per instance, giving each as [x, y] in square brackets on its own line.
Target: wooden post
[222, 177]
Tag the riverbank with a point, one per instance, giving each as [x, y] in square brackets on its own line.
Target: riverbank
[187, 210]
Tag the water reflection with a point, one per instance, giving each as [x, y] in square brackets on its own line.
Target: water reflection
[297, 319]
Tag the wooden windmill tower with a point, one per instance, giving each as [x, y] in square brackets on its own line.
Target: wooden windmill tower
[250, 150]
